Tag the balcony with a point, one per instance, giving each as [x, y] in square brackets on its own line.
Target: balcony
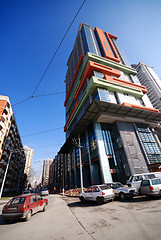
[2, 125]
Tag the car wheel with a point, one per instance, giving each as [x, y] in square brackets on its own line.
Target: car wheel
[44, 208]
[28, 216]
[100, 200]
[82, 199]
[122, 196]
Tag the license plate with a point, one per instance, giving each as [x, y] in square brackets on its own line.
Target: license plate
[12, 208]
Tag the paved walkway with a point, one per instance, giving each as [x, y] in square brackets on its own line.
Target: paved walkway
[57, 223]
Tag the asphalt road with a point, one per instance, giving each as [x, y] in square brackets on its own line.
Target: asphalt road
[68, 218]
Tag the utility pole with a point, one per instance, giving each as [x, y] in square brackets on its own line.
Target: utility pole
[78, 145]
[4, 178]
[5, 173]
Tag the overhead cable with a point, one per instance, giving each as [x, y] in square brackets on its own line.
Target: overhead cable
[53, 55]
[42, 132]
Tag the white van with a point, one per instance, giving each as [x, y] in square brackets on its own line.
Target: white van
[135, 180]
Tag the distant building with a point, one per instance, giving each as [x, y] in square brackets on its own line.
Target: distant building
[46, 171]
[11, 148]
[28, 153]
[149, 78]
[107, 109]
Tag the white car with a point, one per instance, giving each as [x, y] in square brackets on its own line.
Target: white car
[135, 180]
[151, 187]
[99, 193]
[44, 192]
[122, 191]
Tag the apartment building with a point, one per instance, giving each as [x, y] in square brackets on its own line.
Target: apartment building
[148, 77]
[47, 169]
[28, 154]
[110, 120]
[11, 151]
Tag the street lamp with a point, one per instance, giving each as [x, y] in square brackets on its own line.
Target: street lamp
[3, 182]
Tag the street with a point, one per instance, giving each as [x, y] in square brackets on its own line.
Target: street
[68, 218]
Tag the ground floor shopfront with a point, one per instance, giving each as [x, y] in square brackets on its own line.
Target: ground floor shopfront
[109, 152]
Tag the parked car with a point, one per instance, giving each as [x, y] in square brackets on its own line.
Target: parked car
[135, 180]
[99, 193]
[44, 192]
[122, 191]
[151, 187]
[26, 192]
[23, 206]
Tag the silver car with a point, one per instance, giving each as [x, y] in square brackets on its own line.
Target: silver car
[122, 191]
[151, 187]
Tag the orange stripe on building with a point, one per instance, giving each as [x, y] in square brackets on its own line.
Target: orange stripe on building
[74, 77]
[73, 110]
[105, 45]
[141, 107]
[2, 106]
[112, 46]
[97, 67]
[125, 83]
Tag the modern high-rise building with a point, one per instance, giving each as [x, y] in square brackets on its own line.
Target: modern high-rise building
[12, 157]
[46, 172]
[149, 78]
[109, 119]
[28, 153]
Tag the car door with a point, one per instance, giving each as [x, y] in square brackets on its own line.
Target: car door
[39, 203]
[95, 192]
[144, 187]
[34, 203]
[88, 194]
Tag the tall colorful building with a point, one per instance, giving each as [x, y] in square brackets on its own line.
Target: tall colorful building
[108, 110]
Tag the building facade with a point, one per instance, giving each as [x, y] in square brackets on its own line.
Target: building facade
[28, 153]
[11, 151]
[149, 78]
[47, 172]
[109, 119]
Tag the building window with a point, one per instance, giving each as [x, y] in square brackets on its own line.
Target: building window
[92, 142]
[104, 95]
[150, 145]
[98, 74]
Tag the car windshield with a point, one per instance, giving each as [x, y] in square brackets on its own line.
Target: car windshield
[44, 189]
[156, 181]
[104, 187]
[17, 201]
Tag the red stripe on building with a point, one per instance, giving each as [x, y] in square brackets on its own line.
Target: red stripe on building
[70, 116]
[74, 77]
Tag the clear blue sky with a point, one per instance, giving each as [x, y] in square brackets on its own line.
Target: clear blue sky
[30, 32]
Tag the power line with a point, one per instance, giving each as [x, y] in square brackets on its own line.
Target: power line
[48, 94]
[45, 146]
[37, 96]
[32, 134]
[53, 56]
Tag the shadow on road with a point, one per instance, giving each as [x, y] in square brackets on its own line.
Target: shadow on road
[13, 221]
[94, 204]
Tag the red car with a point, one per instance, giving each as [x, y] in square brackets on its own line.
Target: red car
[23, 206]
